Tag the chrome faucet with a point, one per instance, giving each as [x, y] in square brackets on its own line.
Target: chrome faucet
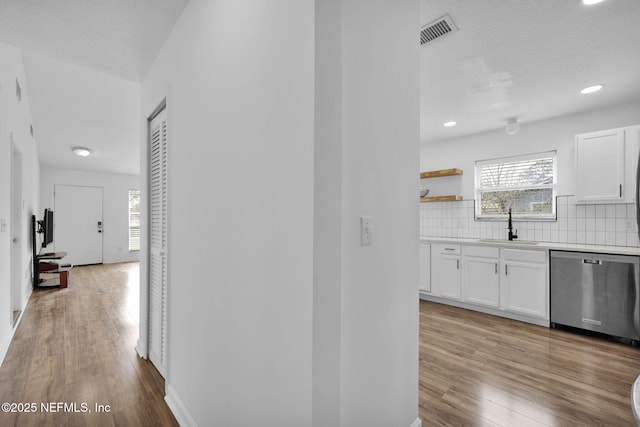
[512, 235]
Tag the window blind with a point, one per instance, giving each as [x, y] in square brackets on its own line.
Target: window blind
[525, 184]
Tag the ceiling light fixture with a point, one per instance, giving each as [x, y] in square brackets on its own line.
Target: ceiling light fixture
[591, 2]
[591, 89]
[81, 151]
[449, 124]
[512, 127]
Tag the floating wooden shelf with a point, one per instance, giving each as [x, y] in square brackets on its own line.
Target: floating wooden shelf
[440, 173]
[440, 199]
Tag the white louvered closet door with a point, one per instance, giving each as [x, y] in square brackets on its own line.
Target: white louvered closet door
[158, 242]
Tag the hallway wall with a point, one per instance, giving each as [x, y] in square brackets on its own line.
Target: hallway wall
[238, 78]
[247, 309]
[15, 119]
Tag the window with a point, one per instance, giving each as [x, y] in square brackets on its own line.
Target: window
[526, 184]
[134, 220]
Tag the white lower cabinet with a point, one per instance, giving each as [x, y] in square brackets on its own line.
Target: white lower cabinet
[481, 275]
[425, 267]
[450, 270]
[445, 271]
[525, 289]
[502, 281]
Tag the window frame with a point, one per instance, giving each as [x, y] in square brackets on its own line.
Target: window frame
[131, 226]
[553, 154]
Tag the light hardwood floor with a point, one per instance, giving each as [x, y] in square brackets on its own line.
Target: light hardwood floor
[76, 345]
[481, 370]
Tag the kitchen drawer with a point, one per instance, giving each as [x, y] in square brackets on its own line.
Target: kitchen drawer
[525, 255]
[482, 251]
[450, 249]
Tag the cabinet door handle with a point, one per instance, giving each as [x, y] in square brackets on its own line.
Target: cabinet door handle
[458, 264]
[620, 190]
[449, 249]
[506, 270]
[496, 268]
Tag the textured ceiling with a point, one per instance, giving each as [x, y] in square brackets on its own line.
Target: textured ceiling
[120, 37]
[78, 106]
[83, 61]
[525, 59]
[510, 58]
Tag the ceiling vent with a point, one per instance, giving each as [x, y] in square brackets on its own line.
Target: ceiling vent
[437, 29]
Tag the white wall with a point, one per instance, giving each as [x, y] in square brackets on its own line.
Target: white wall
[380, 89]
[115, 243]
[327, 239]
[238, 77]
[15, 119]
[250, 167]
[79, 106]
[554, 134]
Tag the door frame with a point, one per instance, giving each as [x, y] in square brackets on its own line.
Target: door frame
[142, 346]
[16, 225]
[56, 204]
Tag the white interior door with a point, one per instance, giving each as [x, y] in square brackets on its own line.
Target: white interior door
[158, 241]
[78, 224]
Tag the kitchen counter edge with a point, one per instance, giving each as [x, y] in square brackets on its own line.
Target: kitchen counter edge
[621, 250]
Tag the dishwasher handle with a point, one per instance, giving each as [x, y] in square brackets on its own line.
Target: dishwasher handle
[592, 261]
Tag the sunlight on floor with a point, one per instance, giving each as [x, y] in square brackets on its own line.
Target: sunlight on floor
[509, 409]
[133, 291]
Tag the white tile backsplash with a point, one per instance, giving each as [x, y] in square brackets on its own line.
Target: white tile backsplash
[585, 224]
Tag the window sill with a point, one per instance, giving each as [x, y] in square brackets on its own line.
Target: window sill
[516, 218]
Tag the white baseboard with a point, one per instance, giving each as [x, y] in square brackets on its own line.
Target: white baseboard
[5, 346]
[120, 260]
[185, 419]
[141, 350]
[180, 411]
[25, 301]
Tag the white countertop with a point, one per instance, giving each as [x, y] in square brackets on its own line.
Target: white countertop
[621, 250]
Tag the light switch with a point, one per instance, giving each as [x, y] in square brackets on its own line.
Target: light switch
[366, 225]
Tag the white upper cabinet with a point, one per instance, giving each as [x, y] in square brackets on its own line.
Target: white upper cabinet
[606, 164]
[600, 166]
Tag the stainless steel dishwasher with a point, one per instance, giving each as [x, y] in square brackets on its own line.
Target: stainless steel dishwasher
[596, 292]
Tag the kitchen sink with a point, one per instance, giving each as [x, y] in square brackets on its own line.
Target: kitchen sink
[515, 242]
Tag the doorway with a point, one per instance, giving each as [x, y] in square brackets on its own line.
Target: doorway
[78, 226]
[16, 221]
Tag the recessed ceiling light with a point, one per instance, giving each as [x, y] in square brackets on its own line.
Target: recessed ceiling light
[591, 89]
[590, 2]
[81, 151]
[449, 124]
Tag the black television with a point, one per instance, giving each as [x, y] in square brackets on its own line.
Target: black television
[47, 228]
